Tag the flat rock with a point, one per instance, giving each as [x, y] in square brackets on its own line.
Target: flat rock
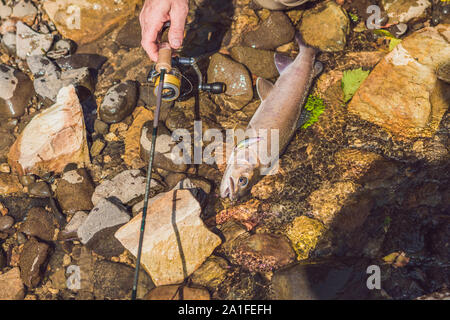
[95, 18]
[39, 223]
[402, 94]
[325, 26]
[16, 91]
[211, 273]
[81, 60]
[119, 102]
[239, 90]
[125, 186]
[405, 10]
[9, 184]
[176, 241]
[30, 42]
[104, 215]
[31, 262]
[175, 292]
[25, 11]
[70, 231]
[261, 63]
[273, 32]
[74, 191]
[5, 11]
[11, 286]
[43, 148]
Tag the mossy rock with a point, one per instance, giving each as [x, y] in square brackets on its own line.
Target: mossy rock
[305, 234]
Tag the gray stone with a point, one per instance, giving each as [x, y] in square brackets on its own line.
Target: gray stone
[5, 11]
[16, 91]
[104, 215]
[70, 231]
[119, 102]
[25, 11]
[9, 42]
[30, 43]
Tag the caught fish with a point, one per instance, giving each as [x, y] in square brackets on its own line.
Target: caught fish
[280, 109]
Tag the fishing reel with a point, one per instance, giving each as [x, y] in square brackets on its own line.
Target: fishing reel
[173, 79]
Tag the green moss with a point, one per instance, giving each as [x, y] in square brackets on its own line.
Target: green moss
[353, 16]
[314, 107]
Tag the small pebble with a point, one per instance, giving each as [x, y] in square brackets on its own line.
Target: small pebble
[97, 147]
[6, 222]
[21, 238]
[4, 167]
[27, 180]
[40, 189]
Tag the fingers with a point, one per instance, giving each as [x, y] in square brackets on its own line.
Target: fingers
[178, 14]
[149, 37]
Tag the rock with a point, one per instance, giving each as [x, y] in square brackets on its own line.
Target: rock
[130, 34]
[41, 148]
[402, 94]
[9, 43]
[304, 234]
[74, 191]
[239, 90]
[97, 148]
[81, 60]
[326, 27]
[105, 214]
[3, 261]
[90, 19]
[443, 72]
[105, 244]
[16, 91]
[192, 183]
[40, 189]
[9, 184]
[177, 293]
[125, 186]
[263, 253]
[71, 229]
[443, 294]
[24, 11]
[115, 281]
[119, 102]
[6, 222]
[248, 213]
[261, 63]
[30, 42]
[11, 287]
[165, 156]
[405, 10]
[176, 241]
[32, 261]
[273, 32]
[5, 11]
[101, 127]
[211, 273]
[39, 223]
[280, 4]
[322, 280]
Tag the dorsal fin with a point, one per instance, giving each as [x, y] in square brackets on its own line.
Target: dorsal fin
[282, 62]
[263, 87]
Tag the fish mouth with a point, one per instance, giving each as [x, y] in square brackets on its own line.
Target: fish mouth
[229, 191]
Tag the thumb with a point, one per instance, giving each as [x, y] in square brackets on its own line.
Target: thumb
[178, 15]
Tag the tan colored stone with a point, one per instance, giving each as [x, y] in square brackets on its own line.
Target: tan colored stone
[11, 286]
[176, 241]
[402, 93]
[9, 184]
[52, 139]
[132, 146]
[87, 20]
[173, 293]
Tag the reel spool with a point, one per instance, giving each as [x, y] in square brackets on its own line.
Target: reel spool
[171, 87]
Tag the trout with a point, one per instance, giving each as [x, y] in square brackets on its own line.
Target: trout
[279, 111]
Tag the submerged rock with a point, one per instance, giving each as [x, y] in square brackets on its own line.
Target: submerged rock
[325, 27]
[42, 147]
[211, 273]
[405, 10]
[273, 32]
[175, 292]
[81, 60]
[70, 231]
[130, 34]
[95, 18]
[176, 241]
[39, 223]
[9, 184]
[119, 102]
[30, 42]
[261, 63]
[16, 91]
[239, 90]
[402, 94]
[305, 234]
[11, 286]
[74, 191]
[31, 262]
[40, 189]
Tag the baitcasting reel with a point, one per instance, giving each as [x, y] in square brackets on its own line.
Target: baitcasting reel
[172, 80]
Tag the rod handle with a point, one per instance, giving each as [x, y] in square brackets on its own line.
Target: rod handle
[164, 58]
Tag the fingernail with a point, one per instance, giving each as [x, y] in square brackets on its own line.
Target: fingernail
[176, 43]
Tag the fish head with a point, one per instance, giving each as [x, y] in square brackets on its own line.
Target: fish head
[238, 181]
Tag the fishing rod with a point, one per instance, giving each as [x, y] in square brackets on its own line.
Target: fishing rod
[167, 80]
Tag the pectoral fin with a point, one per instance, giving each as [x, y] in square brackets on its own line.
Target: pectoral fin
[263, 87]
[282, 62]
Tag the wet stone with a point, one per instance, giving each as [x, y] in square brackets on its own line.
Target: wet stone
[260, 62]
[74, 191]
[11, 286]
[16, 91]
[273, 32]
[101, 127]
[176, 292]
[30, 43]
[6, 222]
[39, 223]
[40, 189]
[32, 262]
[130, 34]
[70, 231]
[105, 244]
[119, 102]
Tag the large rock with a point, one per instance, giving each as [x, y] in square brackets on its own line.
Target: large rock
[261, 63]
[84, 21]
[11, 286]
[325, 27]
[119, 102]
[304, 234]
[402, 93]
[39, 223]
[30, 42]
[405, 10]
[16, 91]
[176, 242]
[53, 138]
[74, 191]
[239, 90]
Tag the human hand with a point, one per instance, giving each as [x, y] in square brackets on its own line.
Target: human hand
[152, 18]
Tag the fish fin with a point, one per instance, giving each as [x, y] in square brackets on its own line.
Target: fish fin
[263, 87]
[318, 68]
[282, 62]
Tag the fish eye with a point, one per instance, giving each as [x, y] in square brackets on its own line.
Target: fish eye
[243, 181]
